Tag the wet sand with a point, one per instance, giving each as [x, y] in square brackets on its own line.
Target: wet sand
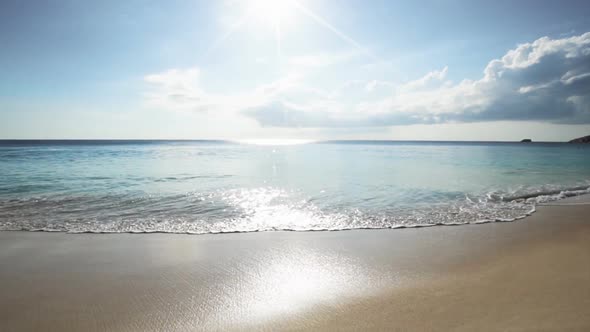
[529, 275]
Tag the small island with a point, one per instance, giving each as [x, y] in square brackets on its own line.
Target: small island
[526, 140]
[585, 139]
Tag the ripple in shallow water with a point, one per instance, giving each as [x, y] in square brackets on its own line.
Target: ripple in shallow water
[248, 210]
[209, 187]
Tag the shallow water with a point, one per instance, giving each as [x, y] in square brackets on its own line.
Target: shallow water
[214, 186]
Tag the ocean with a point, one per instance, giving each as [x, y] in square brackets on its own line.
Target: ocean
[201, 187]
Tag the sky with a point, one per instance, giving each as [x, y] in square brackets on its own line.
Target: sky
[286, 69]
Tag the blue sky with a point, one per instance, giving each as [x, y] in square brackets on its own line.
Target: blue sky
[446, 70]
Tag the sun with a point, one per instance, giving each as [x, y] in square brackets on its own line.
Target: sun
[274, 12]
[277, 15]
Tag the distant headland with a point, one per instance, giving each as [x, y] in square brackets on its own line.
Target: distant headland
[585, 139]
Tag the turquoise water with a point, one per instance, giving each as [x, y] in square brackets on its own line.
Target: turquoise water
[213, 186]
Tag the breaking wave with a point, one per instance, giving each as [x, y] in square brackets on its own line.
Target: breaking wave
[261, 209]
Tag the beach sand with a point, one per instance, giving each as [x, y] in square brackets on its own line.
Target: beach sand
[529, 275]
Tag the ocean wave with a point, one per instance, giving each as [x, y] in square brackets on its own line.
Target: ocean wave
[213, 187]
[256, 210]
[549, 194]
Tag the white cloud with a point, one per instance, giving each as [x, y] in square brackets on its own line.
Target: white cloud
[432, 79]
[546, 80]
[177, 89]
[376, 84]
[181, 90]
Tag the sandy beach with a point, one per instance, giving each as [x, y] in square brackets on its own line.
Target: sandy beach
[294, 165]
[529, 275]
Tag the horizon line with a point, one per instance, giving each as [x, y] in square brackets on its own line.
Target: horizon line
[311, 141]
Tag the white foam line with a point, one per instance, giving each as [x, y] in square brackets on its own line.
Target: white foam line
[564, 204]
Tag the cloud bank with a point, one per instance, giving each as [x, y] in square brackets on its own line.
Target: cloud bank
[547, 80]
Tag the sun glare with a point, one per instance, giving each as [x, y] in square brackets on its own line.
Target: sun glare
[275, 141]
[275, 12]
[278, 14]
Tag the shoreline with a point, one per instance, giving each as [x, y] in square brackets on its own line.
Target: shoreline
[581, 198]
[306, 280]
[502, 293]
[543, 284]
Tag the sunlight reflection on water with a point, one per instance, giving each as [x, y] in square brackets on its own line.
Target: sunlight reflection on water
[276, 141]
[278, 184]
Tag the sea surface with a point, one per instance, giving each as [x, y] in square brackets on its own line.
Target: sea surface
[218, 186]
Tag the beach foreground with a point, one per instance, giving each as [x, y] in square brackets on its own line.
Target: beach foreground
[529, 275]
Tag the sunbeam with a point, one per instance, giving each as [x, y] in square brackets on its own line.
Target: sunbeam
[330, 27]
[228, 33]
[276, 13]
